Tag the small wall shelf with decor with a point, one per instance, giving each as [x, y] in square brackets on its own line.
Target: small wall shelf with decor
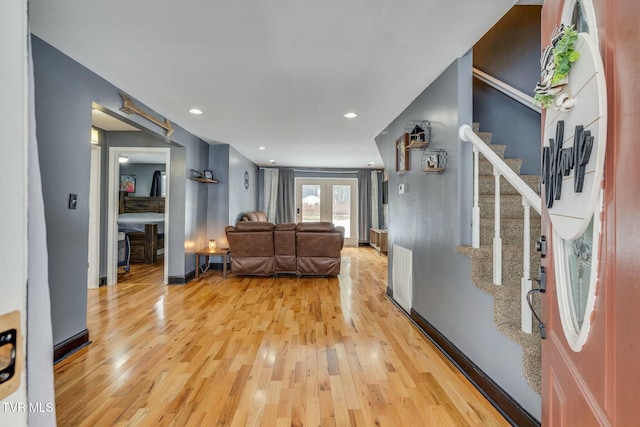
[434, 160]
[378, 240]
[206, 176]
[419, 134]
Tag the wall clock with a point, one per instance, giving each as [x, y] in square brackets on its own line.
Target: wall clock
[246, 180]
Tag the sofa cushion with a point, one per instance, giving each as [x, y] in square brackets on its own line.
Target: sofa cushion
[253, 226]
[315, 226]
[254, 216]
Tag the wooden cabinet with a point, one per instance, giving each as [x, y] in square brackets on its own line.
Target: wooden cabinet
[378, 240]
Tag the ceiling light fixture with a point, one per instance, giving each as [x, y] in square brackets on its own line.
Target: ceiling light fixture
[262, 148]
[350, 115]
[371, 163]
[195, 111]
[273, 162]
[123, 159]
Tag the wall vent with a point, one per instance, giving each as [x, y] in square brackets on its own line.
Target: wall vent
[402, 279]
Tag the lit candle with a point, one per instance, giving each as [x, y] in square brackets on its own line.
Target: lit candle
[212, 244]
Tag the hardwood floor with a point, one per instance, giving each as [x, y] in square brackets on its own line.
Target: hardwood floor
[249, 351]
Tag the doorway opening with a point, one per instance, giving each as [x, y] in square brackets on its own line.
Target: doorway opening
[143, 218]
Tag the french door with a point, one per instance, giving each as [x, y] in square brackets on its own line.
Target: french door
[330, 200]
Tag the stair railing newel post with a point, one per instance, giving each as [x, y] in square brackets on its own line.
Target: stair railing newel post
[497, 240]
[526, 282]
[475, 213]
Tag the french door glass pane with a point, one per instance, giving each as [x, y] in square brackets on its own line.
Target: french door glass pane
[341, 208]
[310, 202]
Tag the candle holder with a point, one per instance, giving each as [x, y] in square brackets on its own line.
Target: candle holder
[212, 244]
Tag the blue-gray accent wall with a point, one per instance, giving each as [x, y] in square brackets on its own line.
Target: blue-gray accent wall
[229, 199]
[510, 51]
[64, 94]
[432, 218]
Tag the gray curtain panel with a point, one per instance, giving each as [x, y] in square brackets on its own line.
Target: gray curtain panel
[364, 205]
[285, 211]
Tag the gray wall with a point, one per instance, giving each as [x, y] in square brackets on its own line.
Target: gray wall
[64, 93]
[218, 194]
[241, 200]
[429, 220]
[510, 51]
[144, 175]
[229, 200]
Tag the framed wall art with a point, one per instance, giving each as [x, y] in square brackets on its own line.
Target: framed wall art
[128, 183]
[402, 153]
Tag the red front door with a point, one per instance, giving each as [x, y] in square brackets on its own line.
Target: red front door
[600, 383]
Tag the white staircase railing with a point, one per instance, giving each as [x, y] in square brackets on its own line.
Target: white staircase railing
[510, 91]
[529, 200]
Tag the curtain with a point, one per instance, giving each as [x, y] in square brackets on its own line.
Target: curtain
[270, 193]
[364, 205]
[375, 200]
[286, 196]
[156, 184]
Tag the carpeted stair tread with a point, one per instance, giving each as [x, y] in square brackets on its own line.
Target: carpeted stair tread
[486, 184]
[486, 168]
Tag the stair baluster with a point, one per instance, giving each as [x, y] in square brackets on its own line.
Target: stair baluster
[497, 240]
[525, 284]
[475, 218]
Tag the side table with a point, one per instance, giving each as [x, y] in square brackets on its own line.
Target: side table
[224, 252]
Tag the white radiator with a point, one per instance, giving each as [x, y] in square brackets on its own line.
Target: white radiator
[402, 278]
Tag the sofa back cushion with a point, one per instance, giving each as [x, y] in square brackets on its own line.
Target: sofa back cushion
[251, 239]
[254, 216]
[284, 239]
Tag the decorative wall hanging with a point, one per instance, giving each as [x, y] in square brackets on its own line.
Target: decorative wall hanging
[130, 108]
[555, 63]
[574, 146]
[434, 160]
[402, 153]
[419, 133]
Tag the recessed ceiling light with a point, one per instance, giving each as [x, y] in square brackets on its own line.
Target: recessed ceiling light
[262, 148]
[350, 115]
[195, 111]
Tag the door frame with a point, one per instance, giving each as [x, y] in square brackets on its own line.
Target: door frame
[113, 185]
[325, 214]
[93, 270]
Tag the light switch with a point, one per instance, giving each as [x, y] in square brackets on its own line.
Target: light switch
[73, 201]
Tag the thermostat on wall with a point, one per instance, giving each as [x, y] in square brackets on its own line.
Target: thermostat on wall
[401, 189]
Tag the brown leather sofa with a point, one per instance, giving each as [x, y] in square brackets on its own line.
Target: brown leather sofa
[306, 249]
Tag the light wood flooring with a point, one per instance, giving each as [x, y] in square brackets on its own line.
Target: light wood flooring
[249, 351]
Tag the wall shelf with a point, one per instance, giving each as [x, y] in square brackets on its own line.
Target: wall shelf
[199, 177]
[419, 134]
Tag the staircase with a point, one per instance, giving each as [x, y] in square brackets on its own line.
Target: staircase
[507, 297]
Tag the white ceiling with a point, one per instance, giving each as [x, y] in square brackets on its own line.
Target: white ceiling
[278, 74]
